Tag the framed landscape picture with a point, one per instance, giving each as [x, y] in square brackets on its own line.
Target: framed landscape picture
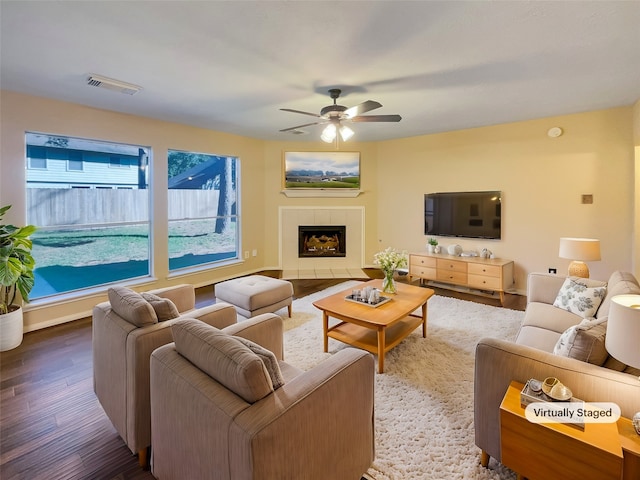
[321, 170]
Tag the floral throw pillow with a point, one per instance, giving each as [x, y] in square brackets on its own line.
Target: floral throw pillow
[580, 296]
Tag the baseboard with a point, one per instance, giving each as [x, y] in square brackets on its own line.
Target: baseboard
[32, 327]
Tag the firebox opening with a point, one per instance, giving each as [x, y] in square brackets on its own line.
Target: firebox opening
[322, 241]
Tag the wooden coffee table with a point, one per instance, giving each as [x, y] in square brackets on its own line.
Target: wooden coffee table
[379, 329]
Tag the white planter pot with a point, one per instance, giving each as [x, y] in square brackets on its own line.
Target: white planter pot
[11, 330]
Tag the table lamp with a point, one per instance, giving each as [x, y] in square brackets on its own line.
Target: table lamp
[623, 335]
[579, 250]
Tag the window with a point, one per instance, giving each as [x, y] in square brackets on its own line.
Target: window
[89, 233]
[36, 157]
[203, 209]
[74, 163]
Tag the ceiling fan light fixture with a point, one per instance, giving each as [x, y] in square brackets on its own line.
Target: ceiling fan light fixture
[334, 114]
[329, 133]
[346, 133]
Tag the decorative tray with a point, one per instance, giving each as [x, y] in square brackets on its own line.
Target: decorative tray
[532, 392]
[363, 301]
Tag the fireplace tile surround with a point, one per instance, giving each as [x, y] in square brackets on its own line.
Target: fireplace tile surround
[349, 266]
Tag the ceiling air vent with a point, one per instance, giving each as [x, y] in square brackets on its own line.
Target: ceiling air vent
[111, 84]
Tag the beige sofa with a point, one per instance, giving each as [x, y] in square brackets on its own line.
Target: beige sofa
[220, 410]
[124, 335]
[499, 362]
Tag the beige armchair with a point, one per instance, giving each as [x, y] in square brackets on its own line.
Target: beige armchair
[254, 422]
[124, 335]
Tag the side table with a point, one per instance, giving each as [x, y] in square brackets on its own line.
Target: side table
[538, 451]
[630, 441]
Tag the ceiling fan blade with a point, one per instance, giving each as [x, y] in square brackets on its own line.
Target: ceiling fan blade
[299, 111]
[301, 126]
[362, 108]
[377, 118]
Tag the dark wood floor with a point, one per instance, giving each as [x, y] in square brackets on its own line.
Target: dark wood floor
[51, 424]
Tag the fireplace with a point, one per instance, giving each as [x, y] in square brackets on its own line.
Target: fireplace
[322, 241]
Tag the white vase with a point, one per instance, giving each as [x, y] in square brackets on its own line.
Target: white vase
[11, 329]
[430, 248]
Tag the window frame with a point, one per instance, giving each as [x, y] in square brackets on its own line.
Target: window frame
[53, 185]
[235, 216]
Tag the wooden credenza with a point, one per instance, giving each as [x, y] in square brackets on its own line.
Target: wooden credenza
[490, 274]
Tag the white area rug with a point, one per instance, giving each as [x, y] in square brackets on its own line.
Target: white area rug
[424, 400]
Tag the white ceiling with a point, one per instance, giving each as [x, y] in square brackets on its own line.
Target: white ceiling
[230, 66]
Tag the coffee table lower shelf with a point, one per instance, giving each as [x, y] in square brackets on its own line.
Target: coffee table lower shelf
[376, 330]
[369, 339]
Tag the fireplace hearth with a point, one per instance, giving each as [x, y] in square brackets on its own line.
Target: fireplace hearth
[322, 241]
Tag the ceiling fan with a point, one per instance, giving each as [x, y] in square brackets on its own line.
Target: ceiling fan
[335, 115]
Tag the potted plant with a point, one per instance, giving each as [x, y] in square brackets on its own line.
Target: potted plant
[16, 276]
[431, 245]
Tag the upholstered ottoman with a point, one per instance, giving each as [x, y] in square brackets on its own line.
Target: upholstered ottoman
[256, 294]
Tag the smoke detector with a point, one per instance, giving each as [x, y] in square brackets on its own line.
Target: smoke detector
[112, 84]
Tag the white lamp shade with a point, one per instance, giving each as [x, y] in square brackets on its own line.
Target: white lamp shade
[583, 249]
[623, 329]
[345, 133]
[329, 133]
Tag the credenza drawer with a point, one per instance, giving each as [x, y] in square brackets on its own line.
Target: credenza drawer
[423, 272]
[451, 276]
[489, 270]
[447, 265]
[484, 282]
[419, 261]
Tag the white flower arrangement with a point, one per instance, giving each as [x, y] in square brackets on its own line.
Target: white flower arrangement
[390, 260]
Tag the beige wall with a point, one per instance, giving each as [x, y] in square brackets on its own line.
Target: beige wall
[541, 178]
[636, 215]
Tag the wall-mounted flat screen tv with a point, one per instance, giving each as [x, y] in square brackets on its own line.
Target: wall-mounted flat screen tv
[463, 214]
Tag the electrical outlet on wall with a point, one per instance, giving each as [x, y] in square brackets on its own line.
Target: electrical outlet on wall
[246, 254]
[254, 252]
[553, 270]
